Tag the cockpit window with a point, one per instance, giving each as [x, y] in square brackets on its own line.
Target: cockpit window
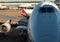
[43, 10]
[49, 9]
[46, 10]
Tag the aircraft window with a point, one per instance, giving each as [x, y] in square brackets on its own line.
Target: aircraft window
[50, 10]
[46, 10]
[43, 10]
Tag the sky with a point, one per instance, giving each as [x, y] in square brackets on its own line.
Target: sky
[25, 0]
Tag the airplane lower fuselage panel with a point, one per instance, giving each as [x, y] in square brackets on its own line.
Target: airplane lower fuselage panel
[45, 26]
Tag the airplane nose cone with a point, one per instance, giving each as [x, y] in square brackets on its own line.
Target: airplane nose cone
[45, 29]
[44, 23]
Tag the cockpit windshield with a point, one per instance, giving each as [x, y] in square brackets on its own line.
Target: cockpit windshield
[46, 10]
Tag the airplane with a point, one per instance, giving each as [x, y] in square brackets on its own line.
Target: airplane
[44, 23]
[22, 23]
[26, 6]
[3, 7]
[29, 11]
[26, 12]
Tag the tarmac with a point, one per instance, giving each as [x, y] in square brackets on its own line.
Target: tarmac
[12, 36]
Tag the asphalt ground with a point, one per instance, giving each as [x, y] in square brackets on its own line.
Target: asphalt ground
[12, 36]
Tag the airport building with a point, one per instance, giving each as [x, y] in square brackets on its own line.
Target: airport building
[17, 3]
